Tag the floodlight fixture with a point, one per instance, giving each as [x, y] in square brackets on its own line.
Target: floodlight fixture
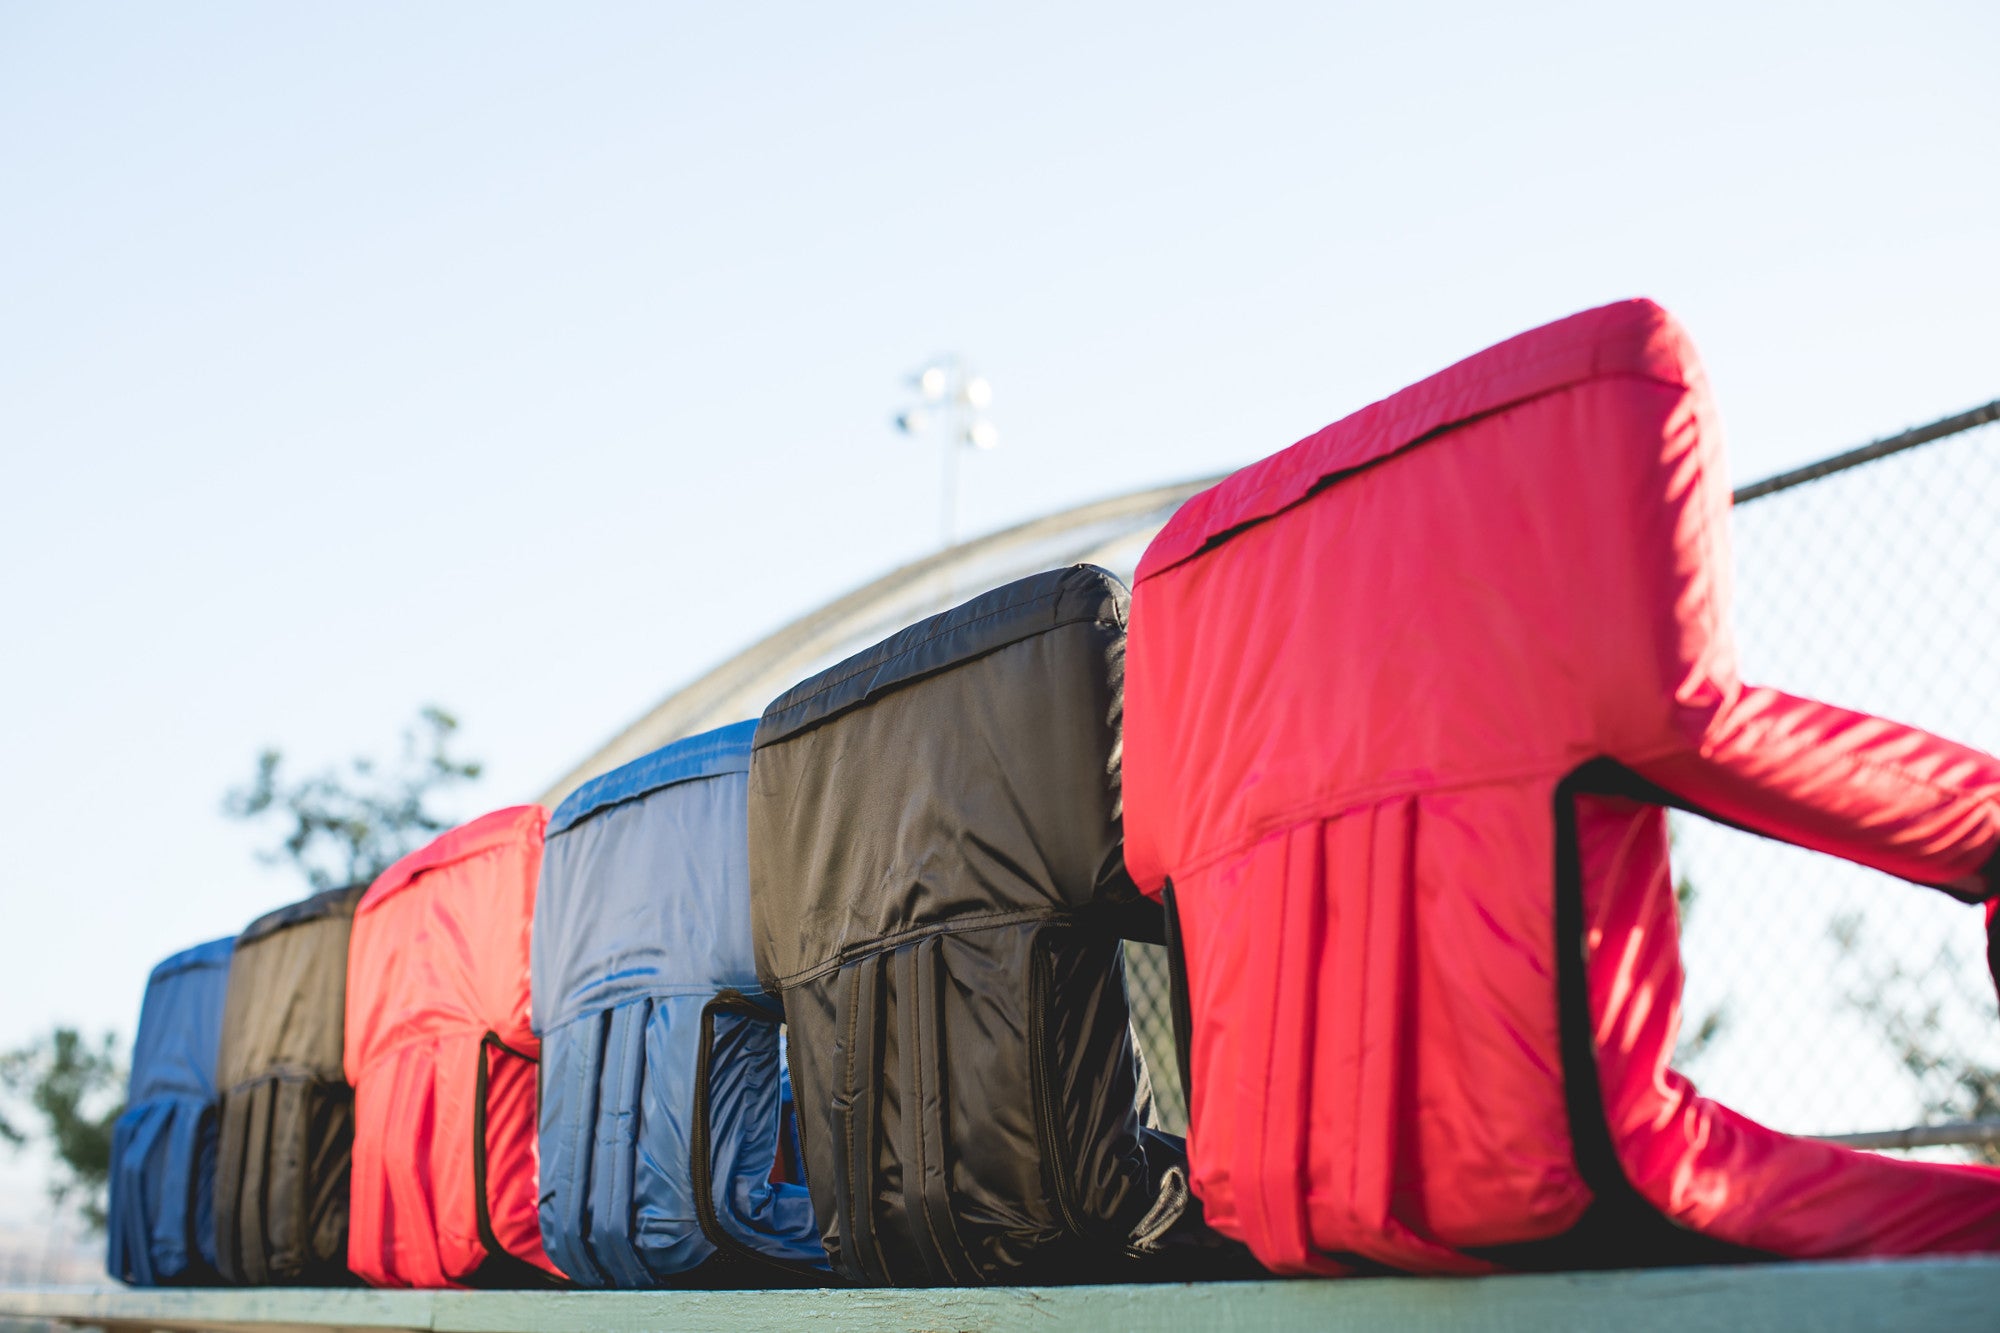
[952, 402]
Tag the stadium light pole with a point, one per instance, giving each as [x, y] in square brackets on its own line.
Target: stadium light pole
[951, 404]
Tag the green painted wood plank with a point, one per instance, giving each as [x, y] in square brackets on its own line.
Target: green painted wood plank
[1958, 1295]
[249, 1309]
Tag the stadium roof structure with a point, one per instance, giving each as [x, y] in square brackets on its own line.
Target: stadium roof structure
[1110, 532]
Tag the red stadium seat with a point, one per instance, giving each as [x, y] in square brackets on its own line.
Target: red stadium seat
[443, 1063]
[1404, 703]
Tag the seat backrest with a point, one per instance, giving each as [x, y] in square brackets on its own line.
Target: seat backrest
[934, 871]
[287, 1114]
[442, 1058]
[1360, 671]
[1404, 702]
[642, 918]
[160, 1217]
[1517, 564]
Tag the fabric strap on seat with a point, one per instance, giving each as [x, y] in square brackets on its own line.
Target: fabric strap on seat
[926, 1174]
[855, 1114]
[1620, 1228]
[570, 1252]
[701, 1142]
[499, 1268]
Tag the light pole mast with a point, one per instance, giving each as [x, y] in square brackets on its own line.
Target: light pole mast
[951, 404]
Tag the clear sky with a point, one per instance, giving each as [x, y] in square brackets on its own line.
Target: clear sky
[531, 359]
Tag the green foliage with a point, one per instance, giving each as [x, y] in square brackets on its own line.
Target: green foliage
[348, 826]
[1905, 1007]
[74, 1089]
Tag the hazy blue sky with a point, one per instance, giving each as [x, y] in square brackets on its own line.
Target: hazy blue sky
[532, 359]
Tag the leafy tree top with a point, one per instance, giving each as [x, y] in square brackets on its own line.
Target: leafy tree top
[348, 825]
[74, 1087]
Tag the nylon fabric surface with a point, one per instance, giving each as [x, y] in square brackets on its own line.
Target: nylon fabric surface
[643, 916]
[934, 850]
[159, 1221]
[286, 1146]
[1360, 673]
[437, 975]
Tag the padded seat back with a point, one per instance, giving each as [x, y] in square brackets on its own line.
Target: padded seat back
[642, 918]
[936, 880]
[160, 1220]
[287, 1112]
[1404, 703]
[443, 1062]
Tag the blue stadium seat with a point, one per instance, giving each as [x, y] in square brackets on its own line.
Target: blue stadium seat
[161, 1221]
[642, 921]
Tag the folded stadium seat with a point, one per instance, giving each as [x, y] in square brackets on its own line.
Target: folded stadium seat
[287, 1113]
[1404, 703]
[937, 894]
[443, 1063]
[163, 1146]
[642, 918]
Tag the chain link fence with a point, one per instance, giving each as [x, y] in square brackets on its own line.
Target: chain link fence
[1822, 998]
[1153, 1024]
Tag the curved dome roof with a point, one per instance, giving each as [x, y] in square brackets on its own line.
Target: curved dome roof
[1110, 532]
